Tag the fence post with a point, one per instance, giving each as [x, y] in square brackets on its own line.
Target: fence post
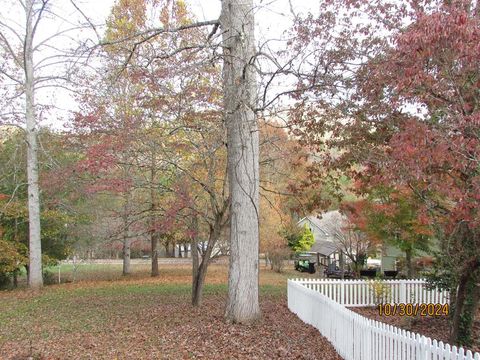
[342, 293]
[403, 292]
[369, 342]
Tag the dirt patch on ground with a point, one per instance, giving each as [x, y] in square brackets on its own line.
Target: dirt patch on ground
[435, 327]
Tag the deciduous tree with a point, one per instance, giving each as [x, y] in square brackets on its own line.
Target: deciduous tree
[35, 59]
[408, 116]
[240, 96]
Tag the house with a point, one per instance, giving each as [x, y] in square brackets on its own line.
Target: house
[327, 230]
[330, 240]
[325, 244]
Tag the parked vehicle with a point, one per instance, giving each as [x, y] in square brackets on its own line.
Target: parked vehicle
[333, 271]
[304, 263]
[369, 273]
[390, 273]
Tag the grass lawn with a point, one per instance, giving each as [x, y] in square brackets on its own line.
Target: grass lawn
[138, 317]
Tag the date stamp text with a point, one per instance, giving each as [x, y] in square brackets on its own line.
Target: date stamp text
[408, 309]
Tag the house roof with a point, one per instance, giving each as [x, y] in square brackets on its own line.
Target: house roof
[324, 247]
[325, 242]
[325, 221]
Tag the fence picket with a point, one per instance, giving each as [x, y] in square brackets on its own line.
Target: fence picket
[321, 303]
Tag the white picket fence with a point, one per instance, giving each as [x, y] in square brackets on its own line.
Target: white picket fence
[356, 337]
[362, 292]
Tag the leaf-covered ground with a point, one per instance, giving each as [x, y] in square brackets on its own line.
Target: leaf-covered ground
[142, 318]
[430, 326]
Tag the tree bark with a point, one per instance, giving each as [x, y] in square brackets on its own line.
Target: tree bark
[35, 279]
[126, 256]
[180, 246]
[197, 278]
[126, 245]
[240, 91]
[195, 262]
[465, 304]
[201, 268]
[408, 263]
[198, 282]
[459, 302]
[126, 236]
[154, 244]
[170, 252]
[199, 272]
[153, 231]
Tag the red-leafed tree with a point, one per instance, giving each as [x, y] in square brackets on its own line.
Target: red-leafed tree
[408, 119]
[164, 116]
[239, 110]
[282, 163]
[437, 155]
[129, 118]
[394, 217]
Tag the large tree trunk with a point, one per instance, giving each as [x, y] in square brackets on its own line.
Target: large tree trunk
[196, 287]
[27, 269]
[240, 91]
[126, 236]
[409, 264]
[458, 308]
[153, 233]
[198, 282]
[126, 256]
[195, 265]
[465, 304]
[154, 243]
[126, 244]
[35, 279]
[200, 269]
[169, 251]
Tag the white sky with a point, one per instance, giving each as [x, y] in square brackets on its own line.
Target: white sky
[272, 19]
[272, 16]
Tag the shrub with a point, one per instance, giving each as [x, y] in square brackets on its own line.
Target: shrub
[381, 292]
[301, 241]
[5, 280]
[49, 277]
[278, 257]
